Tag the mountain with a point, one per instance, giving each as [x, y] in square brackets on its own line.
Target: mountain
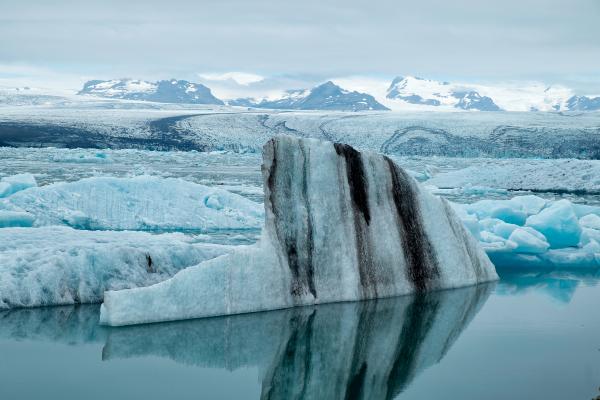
[474, 101]
[327, 96]
[583, 103]
[419, 91]
[165, 91]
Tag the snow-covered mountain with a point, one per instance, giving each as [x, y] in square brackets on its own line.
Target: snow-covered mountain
[165, 91]
[427, 92]
[583, 103]
[418, 93]
[327, 96]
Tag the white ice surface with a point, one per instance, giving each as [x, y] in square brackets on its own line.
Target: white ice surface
[60, 265]
[566, 175]
[138, 203]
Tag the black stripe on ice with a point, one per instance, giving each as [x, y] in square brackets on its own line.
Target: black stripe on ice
[418, 251]
[358, 184]
[298, 244]
[355, 173]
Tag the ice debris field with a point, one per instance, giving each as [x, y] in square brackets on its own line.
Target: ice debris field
[71, 219]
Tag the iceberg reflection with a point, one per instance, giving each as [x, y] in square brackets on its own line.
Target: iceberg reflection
[360, 350]
[559, 284]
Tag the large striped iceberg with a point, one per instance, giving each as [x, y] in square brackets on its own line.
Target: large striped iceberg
[340, 226]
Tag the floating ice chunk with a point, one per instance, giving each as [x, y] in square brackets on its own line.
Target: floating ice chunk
[81, 156]
[15, 183]
[513, 211]
[139, 203]
[60, 265]
[558, 223]
[528, 241]
[591, 221]
[551, 238]
[529, 204]
[509, 215]
[588, 234]
[340, 226]
[15, 218]
[574, 257]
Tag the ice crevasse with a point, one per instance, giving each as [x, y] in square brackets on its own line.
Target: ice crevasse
[340, 226]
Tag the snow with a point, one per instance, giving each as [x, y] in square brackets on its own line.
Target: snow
[12, 184]
[137, 203]
[554, 234]
[59, 265]
[324, 241]
[510, 96]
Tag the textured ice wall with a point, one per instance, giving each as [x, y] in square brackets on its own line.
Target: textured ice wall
[340, 226]
[58, 265]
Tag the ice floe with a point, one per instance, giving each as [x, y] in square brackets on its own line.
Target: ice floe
[60, 265]
[531, 231]
[12, 184]
[137, 203]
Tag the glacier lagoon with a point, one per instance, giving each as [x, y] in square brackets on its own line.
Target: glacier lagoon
[531, 303]
[531, 335]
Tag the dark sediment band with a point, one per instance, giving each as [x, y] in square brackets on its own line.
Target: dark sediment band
[358, 184]
[421, 260]
[420, 317]
[293, 232]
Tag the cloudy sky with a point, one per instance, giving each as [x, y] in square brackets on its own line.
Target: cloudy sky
[68, 41]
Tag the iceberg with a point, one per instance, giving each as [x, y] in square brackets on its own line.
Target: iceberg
[59, 265]
[138, 203]
[547, 234]
[340, 225]
[15, 183]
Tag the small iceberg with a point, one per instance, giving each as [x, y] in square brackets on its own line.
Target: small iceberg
[58, 265]
[138, 203]
[528, 231]
[341, 225]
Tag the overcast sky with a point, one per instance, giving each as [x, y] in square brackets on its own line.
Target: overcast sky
[548, 40]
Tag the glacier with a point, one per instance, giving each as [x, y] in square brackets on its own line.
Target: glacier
[57, 265]
[135, 203]
[340, 225]
[529, 231]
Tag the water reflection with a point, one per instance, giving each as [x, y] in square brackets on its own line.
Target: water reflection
[560, 284]
[369, 350]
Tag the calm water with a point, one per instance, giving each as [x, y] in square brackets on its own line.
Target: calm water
[530, 336]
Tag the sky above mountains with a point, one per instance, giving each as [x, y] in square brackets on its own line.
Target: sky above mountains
[310, 41]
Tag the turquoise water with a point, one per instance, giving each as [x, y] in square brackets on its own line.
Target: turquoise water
[531, 335]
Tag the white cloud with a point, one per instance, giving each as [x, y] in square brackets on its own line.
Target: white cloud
[241, 78]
